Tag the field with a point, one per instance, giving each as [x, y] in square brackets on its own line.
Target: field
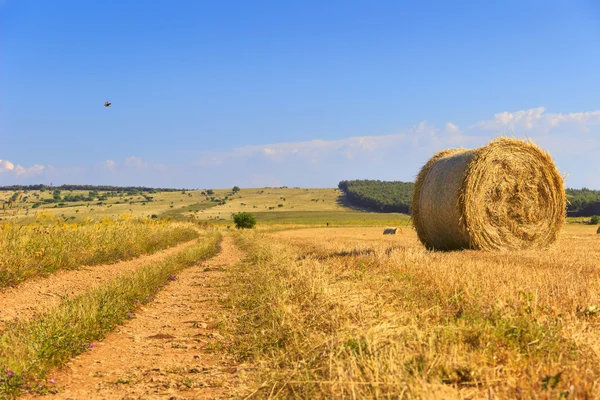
[291, 309]
[270, 205]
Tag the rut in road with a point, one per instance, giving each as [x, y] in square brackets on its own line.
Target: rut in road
[35, 296]
[164, 352]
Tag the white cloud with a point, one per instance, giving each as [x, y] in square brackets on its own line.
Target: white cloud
[108, 165]
[315, 151]
[138, 162]
[19, 171]
[450, 127]
[573, 139]
[29, 172]
[400, 155]
[134, 161]
[6, 166]
[537, 120]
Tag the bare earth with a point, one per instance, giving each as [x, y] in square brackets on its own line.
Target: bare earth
[38, 295]
[165, 351]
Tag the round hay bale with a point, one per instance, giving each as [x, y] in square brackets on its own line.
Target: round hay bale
[598, 231]
[506, 195]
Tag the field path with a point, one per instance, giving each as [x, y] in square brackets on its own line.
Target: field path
[168, 351]
[38, 295]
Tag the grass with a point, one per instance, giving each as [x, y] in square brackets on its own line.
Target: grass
[174, 205]
[29, 350]
[179, 214]
[47, 246]
[344, 312]
[334, 218]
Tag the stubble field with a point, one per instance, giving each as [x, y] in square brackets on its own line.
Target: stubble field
[301, 311]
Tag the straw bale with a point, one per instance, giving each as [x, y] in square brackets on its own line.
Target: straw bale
[507, 195]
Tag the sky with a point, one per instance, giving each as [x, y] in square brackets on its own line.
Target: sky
[296, 93]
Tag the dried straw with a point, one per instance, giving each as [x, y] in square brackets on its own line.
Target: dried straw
[507, 195]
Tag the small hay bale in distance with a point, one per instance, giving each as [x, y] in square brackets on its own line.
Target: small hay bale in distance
[390, 231]
[598, 231]
[507, 195]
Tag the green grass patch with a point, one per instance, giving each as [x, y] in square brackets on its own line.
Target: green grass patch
[178, 214]
[337, 218]
[29, 350]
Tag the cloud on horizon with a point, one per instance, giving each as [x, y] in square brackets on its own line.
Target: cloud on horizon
[572, 139]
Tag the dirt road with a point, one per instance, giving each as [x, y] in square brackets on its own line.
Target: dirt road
[170, 350]
[37, 295]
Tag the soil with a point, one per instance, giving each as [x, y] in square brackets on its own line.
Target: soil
[171, 349]
[38, 295]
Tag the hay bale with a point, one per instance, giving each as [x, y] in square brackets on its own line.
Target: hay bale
[598, 231]
[390, 231]
[506, 195]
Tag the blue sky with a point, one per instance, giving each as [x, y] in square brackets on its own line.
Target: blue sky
[296, 93]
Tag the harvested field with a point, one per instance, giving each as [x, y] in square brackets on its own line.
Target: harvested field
[322, 312]
[347, 312]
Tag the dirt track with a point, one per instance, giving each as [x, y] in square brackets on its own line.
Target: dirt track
[165, 351]
[37, 295]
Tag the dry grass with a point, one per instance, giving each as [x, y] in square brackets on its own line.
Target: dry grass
[346, 313]
[49, 245]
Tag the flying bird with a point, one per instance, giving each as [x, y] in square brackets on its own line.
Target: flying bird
[107, 104]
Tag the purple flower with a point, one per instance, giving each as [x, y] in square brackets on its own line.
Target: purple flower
[9, 372]
[92, 345]
[172, 278]
[51, 380]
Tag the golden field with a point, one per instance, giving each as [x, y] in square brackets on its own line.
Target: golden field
[314, 311]
[350, 313]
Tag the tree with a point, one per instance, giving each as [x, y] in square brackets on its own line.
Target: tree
[595, 220]
[235, 189]
[210, 191]
[244, 220]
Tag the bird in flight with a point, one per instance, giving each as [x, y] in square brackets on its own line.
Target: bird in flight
[107, 104]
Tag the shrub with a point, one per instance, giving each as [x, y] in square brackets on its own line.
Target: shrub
[235, 189]
[244, 220]
[595, 220]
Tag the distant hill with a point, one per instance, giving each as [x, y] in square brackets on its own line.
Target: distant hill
[396, 196]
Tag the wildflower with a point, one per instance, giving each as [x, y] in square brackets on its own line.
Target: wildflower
[51, 380]
[172, 278]
[9, 372]
[92, 345]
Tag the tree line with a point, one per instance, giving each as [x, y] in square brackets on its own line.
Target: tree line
[396, 196]
[378, 195]
[103, 188]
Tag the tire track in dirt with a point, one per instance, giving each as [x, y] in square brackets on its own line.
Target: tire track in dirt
[168, 350]
[35, 296]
